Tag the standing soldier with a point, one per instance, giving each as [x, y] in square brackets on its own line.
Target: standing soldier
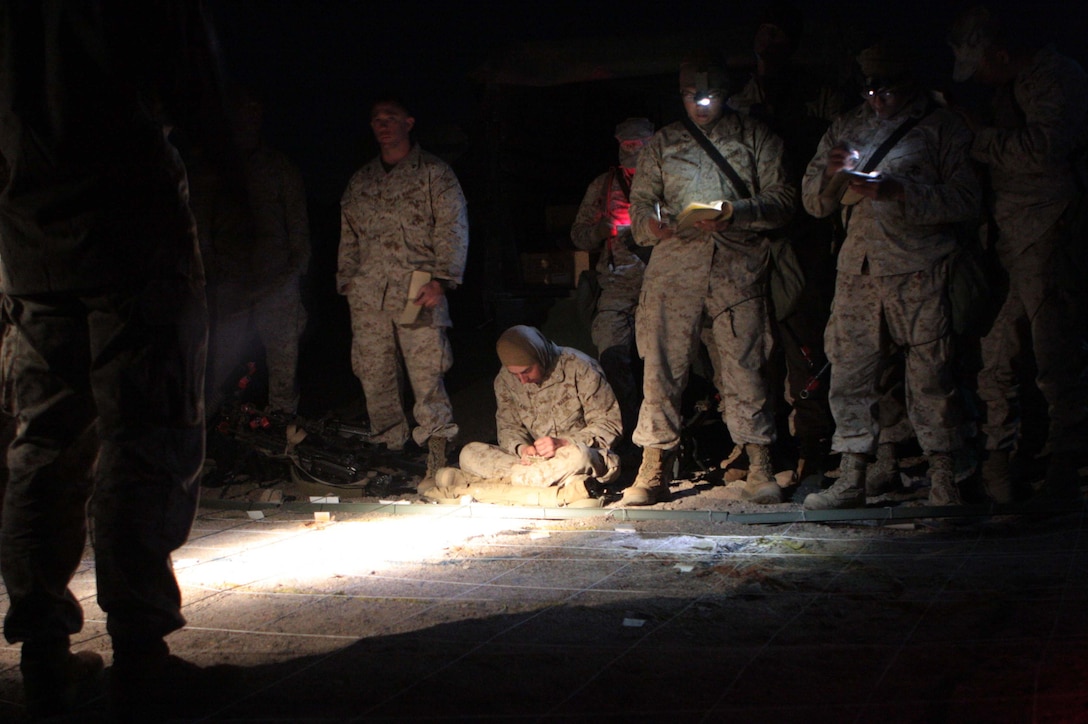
[1030, 149]
[281, 252]
[716, 267]
[604, 224]
[403, 245]
[893, 266]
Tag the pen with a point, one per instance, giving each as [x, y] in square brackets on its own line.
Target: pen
[657, 210]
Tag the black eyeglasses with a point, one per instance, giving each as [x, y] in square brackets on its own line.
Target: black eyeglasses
[884, 94]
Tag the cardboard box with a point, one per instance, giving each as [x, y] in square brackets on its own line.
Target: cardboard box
[555, 268]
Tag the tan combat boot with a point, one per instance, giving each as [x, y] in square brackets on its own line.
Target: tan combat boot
[760, 485]
[883, 474]
[436, 455]
[942, 481]
[847, 492]
[652, 482]
[996, 480]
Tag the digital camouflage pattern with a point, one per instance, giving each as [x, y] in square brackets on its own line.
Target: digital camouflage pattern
[1030, 154]
[281, 258]
[619, 269]
[893, 271]
[721, 276]
[410, 218]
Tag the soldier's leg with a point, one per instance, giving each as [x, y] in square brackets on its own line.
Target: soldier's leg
[44, 518]
[667, 332]
[742, 338]
[151, 454]
[487, 461]
[375, 360]
[280, 320]
[852, 342]
[919, 319]
[1056, 325]
[997, 378]
[428, 356]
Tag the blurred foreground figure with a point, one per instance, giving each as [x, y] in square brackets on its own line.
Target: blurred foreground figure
[104, 291]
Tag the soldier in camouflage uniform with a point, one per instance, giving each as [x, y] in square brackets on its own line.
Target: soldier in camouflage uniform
[557, 420]
[104, 364]
[893, 267]
[604, 224]
[280, 255]
[1041, 111]
[403, 212]
[718, 268]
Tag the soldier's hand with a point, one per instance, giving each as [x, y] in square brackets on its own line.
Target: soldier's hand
[528, 452]
[718, 223]
[839, 157]
[604, 229]
[546, 446]
[880, 188]
[430, 294]
[661, 229]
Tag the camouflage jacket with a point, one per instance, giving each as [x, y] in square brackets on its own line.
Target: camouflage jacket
[280, 218]
[573, 402]
[930, 161]
[619, 268]
[391, 224]
[674, 171]
[1029, 151]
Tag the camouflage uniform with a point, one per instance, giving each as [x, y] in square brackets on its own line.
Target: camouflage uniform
[893, 271]
[573, 402]
[799, 106]
[619, 271]
[410, 218]
[281, 257]
[1028, 154]
[105, 295]
[723, 275]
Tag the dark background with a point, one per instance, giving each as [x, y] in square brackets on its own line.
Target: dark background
[522, 98]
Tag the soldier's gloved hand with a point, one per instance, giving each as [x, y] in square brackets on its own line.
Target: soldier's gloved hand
[604, 229]
[839, 157]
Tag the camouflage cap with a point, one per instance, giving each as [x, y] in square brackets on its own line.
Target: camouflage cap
[970, 36]
[634, 129]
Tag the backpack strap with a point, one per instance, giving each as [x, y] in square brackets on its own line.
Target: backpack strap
[711, 150]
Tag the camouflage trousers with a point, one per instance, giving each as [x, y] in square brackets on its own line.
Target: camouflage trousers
[381, 352]
[614, 336]
[491, 461]
[277, 320]
[740, 342]
[1033, 303]
[908, 310]
[108, 395]
[280, 320]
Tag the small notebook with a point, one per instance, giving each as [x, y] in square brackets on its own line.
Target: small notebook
[411, 309]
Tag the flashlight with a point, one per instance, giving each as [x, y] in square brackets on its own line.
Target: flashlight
[702, 92]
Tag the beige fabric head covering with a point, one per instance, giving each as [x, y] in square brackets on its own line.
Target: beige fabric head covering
[522, 346]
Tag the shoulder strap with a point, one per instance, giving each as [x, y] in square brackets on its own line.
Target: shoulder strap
[718, 158]
[882, 151]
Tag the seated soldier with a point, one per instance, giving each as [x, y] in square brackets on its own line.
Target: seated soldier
[557, 420]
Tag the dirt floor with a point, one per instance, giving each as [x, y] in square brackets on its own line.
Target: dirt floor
[367, 603]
